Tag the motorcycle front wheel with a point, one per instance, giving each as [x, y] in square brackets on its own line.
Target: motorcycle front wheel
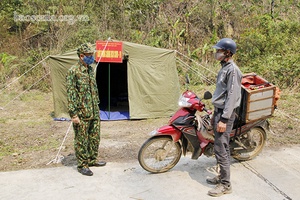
[252, 144]
[159, 154]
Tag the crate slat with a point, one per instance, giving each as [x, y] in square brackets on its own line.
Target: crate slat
[259, 102]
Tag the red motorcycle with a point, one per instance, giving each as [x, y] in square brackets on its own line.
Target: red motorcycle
[189, 132]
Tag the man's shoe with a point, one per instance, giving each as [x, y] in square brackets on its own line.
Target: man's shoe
[98, 164]
[85, 171]
[214, 181]
[219, 190]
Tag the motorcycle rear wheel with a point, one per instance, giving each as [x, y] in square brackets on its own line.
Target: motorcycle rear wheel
[159, 154]
[254, 141]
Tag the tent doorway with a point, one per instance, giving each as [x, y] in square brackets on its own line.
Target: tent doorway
[113, 90]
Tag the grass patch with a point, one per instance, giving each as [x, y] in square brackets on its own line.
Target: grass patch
[3, 121]
[32, 96]
[5, 149]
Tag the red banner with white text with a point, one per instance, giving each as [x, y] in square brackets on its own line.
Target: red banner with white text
[107, 51]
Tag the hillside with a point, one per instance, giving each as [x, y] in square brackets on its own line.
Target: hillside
[267, 32]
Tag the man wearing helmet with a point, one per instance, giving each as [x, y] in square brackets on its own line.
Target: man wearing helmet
[83, 109]
[226, 99]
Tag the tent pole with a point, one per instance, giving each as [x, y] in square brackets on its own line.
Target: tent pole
[108, 90]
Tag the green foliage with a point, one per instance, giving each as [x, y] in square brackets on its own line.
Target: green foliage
[270, 49]
[83, 35]
[267, 34]
[8, 68]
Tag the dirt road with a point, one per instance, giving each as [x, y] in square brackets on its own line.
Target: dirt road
[273, 175]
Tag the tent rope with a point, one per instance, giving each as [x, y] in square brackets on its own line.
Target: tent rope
[206, 68]
[187, 67]
[2, 108]
[58, 158]
[24, 73]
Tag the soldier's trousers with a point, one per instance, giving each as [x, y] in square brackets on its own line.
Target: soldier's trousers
[86, 142]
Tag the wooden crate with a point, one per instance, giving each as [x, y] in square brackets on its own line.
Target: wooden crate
[258, 98]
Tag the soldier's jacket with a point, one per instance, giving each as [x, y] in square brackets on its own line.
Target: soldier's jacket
[82, 92]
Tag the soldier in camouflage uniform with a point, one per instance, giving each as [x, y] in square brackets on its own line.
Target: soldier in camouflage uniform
[83, 108]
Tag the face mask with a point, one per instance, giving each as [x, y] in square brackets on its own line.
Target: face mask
[88, 59]
[219, 56]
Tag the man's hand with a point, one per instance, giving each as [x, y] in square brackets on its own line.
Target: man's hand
[76, 120]
[221, 127]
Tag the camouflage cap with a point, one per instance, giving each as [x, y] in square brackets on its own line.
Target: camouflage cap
[85, 48]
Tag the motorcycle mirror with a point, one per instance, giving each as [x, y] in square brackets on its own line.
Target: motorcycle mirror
[207, 95]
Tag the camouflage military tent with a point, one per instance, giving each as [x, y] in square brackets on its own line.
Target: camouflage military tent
[145, 85]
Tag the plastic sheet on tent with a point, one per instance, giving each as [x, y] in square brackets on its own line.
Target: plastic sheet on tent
[115, 115]
[105, 116]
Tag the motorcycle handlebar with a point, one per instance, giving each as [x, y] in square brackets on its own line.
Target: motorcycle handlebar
[208, 111]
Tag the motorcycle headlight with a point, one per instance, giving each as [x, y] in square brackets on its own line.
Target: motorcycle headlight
[183, 102]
